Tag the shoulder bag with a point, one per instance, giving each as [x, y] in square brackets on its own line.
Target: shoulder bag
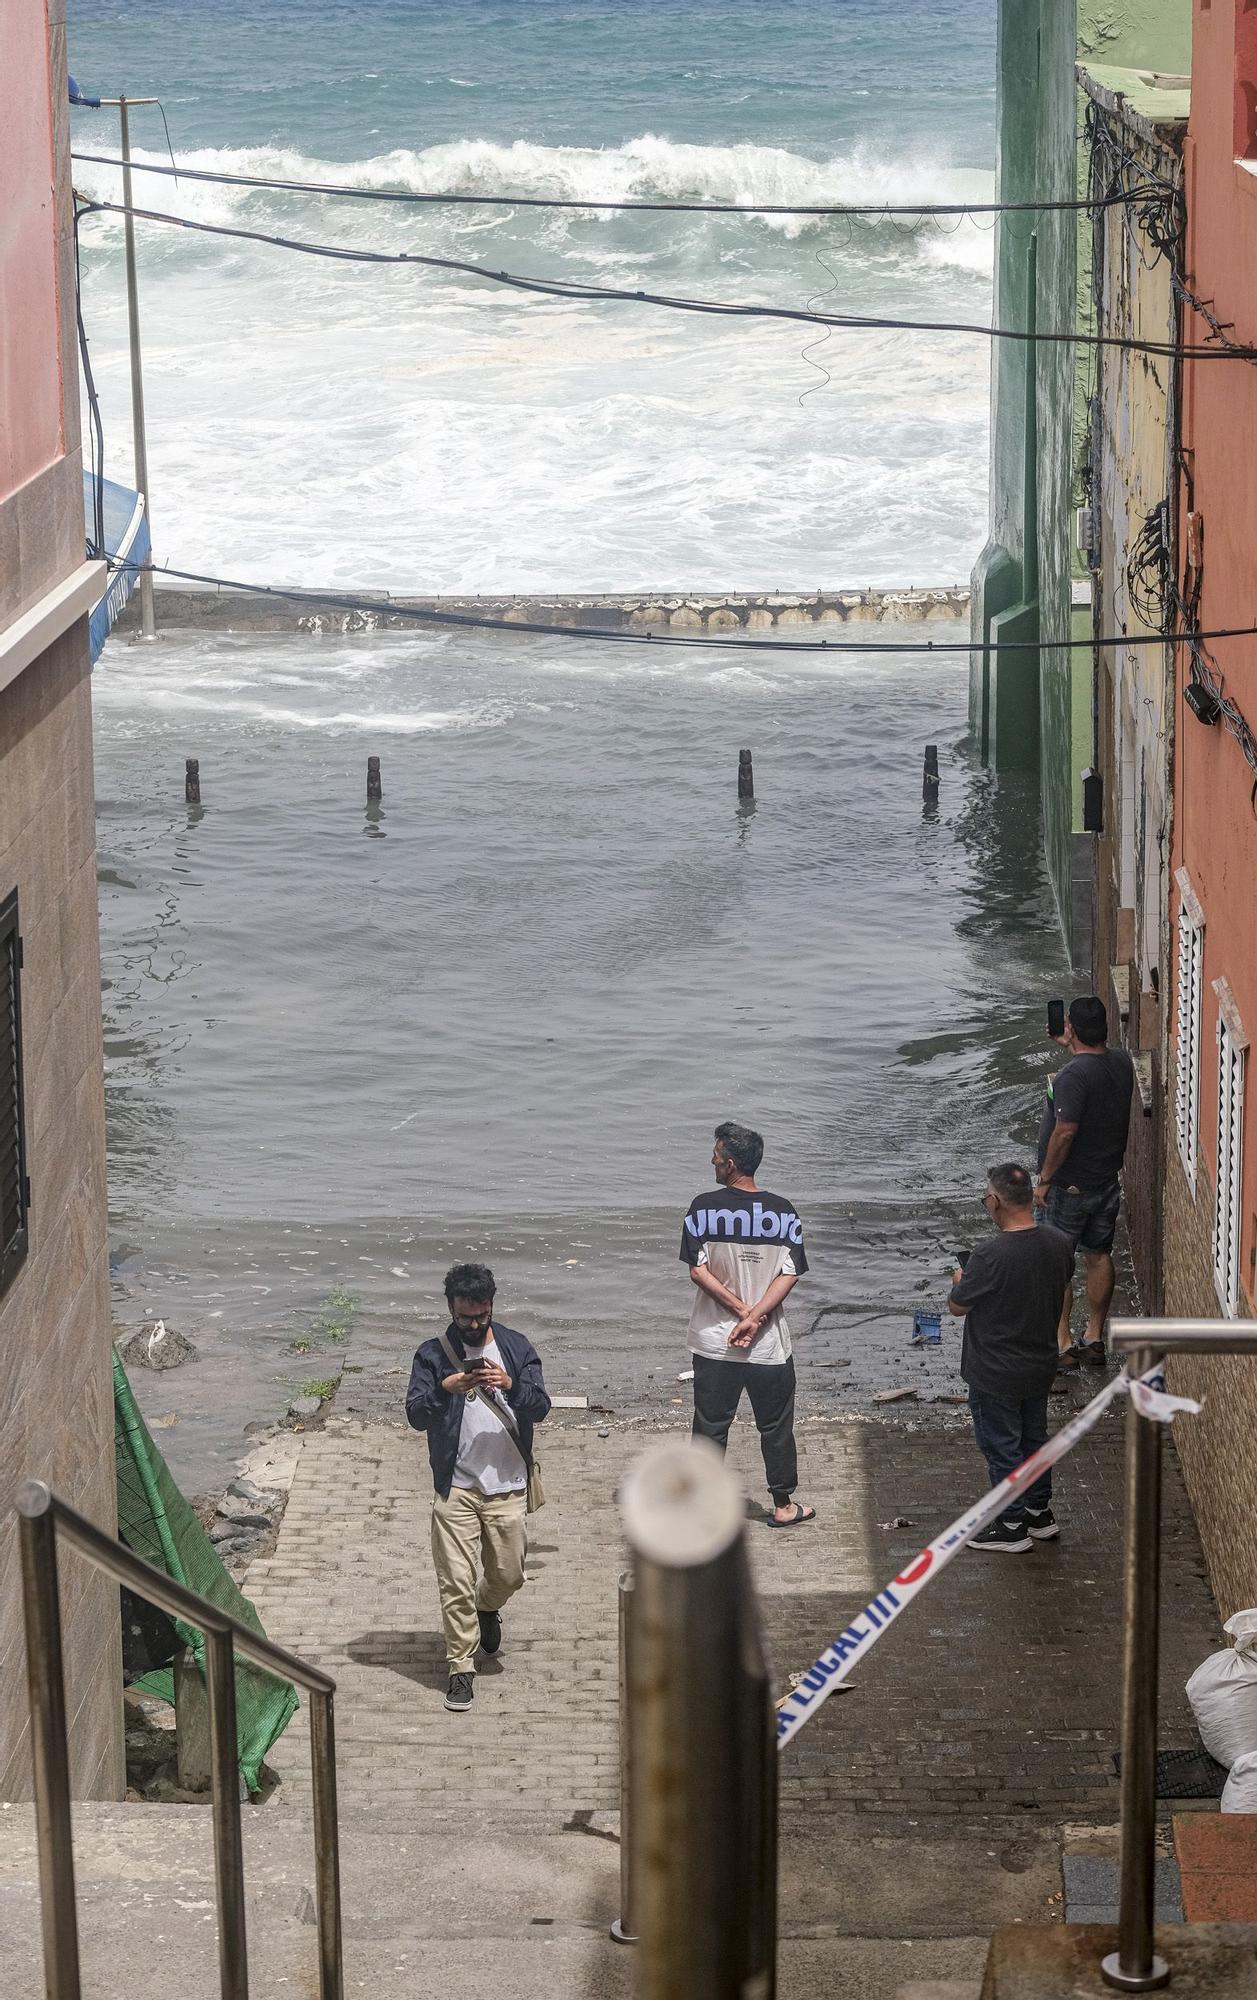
[535, 1495]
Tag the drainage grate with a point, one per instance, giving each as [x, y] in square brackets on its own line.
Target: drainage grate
[1185, 1774]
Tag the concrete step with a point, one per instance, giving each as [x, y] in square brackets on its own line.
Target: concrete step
[890, 1918]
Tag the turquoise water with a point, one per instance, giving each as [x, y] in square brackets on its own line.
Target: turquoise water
[316, 422]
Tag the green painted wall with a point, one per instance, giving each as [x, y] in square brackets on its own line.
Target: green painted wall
[1137, 34]
[1025, 709]
[1058, 236]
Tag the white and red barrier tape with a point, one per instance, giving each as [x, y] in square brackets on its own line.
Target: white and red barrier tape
[1147, 1392]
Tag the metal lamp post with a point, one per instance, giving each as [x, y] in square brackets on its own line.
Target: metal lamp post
[1136, 1966]
[148, 617]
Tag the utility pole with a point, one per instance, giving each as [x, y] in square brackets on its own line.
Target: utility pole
[148, 618]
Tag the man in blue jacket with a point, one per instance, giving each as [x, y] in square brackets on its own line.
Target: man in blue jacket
[480, 1463]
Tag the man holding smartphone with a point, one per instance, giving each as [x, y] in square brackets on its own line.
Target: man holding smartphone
[1082, 1143]
[477, 1391]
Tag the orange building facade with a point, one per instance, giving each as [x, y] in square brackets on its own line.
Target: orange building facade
[1210, 1179]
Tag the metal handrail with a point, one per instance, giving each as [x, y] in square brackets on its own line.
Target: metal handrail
[1136, 1967]
[43, 1516]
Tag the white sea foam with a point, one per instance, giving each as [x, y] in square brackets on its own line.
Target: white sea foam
[324, 423]
[404, 722]
[648, 168]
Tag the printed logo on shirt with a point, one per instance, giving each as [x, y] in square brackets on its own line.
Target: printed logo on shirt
[753, 1223]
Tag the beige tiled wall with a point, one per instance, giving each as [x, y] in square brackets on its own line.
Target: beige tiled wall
[56, 1399]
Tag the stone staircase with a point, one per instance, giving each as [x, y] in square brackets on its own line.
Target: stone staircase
[464, 1909]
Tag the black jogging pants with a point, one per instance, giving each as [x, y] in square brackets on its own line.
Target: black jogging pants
[718, 1387]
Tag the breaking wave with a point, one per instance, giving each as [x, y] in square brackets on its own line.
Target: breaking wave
[648, 168]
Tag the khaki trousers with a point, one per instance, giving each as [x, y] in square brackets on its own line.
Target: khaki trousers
[479, 1542]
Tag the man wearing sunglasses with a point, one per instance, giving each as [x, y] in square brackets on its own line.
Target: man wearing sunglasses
[480, 1463]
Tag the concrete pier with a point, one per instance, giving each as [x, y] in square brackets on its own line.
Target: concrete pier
[628, 611]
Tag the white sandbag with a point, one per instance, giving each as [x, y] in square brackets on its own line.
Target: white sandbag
[1240, 1792]
[1223, 1695]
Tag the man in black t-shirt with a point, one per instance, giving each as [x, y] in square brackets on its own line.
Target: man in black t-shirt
[1082, 1143]
[1009, 1296]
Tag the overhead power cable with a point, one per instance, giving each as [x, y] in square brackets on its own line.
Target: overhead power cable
[343, 192]
[474, 621]
[558, 288]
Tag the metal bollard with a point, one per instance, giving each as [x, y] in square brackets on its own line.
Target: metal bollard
[929, 775]
[192, 781]
[375, 787]
[622, 1929]
[746, 775]
[702, 1749]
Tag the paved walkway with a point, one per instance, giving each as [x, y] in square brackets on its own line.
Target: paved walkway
[992, 1706]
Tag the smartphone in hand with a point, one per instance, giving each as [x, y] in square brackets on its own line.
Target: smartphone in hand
[1056, 1019]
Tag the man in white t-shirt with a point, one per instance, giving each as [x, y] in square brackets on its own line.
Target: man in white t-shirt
[744, 1250]
[479, 1466]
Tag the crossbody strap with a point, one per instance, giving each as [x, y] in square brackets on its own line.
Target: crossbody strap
[490, 1403]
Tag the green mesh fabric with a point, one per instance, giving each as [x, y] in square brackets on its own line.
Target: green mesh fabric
[158, 1524]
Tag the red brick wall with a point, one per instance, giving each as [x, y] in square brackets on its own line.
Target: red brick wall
[1217, 1449]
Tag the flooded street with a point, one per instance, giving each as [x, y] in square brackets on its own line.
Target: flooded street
[500, 1016]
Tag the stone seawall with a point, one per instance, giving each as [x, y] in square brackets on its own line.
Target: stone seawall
[664, 610]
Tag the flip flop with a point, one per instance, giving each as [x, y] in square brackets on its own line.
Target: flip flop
[796, 1520]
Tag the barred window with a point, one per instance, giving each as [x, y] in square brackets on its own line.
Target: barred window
[1227, 1211]
[1191, 956]
[14, 1188]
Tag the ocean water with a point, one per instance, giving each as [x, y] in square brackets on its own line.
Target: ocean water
[317, 422]
[501, 1015]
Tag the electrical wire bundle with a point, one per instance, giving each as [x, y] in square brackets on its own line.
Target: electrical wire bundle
[559, 288]
[1204, 672]
[1150, 571]
[1116, 178]
[339, 191]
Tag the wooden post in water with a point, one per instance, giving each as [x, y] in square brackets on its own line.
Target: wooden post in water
[192, 781]
[375, 788]
[929, 778]
[746, 776]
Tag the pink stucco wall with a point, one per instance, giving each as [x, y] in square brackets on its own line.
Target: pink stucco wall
[1214, 830]
[31, 364]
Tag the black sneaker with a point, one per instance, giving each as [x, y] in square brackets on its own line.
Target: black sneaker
[1007, 1538]
[1092, 1352]
[1042, 1524]
[462, 1687]
[490, 1631]
[1068, 1361]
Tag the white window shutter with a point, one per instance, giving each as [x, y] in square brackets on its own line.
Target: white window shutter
[1227, 1210]
[1191, 955]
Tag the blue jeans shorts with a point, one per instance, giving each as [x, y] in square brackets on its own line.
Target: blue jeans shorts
[1088, 1216]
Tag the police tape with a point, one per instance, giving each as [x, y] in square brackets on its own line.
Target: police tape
[1147, 1392]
